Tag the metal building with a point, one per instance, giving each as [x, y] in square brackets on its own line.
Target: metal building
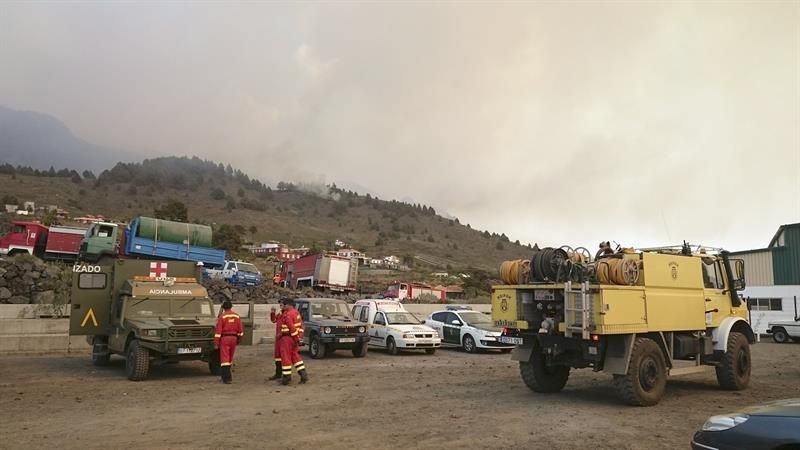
[773, 278]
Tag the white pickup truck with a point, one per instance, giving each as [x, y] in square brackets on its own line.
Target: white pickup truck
[237, 273]
[784, 331]
[395, 329]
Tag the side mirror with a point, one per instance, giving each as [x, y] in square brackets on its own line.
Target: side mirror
[456, 323]
[739, 284]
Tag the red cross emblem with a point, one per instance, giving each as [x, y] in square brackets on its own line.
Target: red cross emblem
[158, 270]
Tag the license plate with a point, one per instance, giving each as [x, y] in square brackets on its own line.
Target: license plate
[184, 351]
[510, 340]
[347, 339]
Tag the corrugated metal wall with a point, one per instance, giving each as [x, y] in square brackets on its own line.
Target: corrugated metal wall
[786, 259]
[757, 268]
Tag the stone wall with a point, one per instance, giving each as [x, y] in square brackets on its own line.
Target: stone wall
[25, 280]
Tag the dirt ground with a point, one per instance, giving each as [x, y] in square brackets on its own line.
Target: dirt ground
[451, 399]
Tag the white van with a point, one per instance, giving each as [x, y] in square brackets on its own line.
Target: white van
[393, 328]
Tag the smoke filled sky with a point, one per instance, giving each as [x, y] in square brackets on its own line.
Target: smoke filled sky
[553, 122]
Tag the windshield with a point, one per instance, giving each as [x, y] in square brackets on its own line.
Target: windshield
[330, 310]
[475, 318]
[143, 308]
[401, 318]
[244, 267]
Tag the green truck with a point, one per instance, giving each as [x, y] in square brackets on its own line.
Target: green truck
[150, 312]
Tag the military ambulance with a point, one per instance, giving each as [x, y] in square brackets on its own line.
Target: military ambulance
[149, 312]
[638, 315]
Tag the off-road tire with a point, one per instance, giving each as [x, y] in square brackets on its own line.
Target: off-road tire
[430, 351]
[100, 357]
[361, 350]
[316, 348]
[213, 364]
[391, 346]
[733, 371]
[542, 378]
[469, 344]
[137, 363]
[780, 335]
[646, 381]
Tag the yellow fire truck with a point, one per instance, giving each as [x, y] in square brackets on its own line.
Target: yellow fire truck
[639, 315]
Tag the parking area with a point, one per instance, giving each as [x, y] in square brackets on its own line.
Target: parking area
[450, 399]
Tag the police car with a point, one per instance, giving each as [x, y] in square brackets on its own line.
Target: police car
[463, 327]
[393, 328]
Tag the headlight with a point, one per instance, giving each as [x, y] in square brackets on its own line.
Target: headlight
[151, 333]
[327, 330]
[724, 422]
[361, 329]
[409, 336]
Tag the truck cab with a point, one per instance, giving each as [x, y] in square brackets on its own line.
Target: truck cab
[237, 273]
[329, 327]
[393, 328]
[101, 239]
[24, 238]
[149, 312]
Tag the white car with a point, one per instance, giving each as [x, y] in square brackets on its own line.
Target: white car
[784, 331]
[395, 329]
[465, 328]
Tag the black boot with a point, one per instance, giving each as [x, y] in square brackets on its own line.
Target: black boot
[286, 380]
[226, 375]
[303, 376]
[277, 375]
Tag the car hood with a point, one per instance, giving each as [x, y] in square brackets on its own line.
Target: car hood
[412, 328]
[336, 323]
[156, 322]
[780, 408]
[487, 328]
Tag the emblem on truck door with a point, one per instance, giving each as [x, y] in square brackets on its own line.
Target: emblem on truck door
[673, 270]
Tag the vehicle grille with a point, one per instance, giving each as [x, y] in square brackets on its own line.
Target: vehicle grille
[190, 333]
[423, 335]
[345, 330]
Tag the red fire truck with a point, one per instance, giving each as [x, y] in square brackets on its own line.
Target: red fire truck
[32, 238]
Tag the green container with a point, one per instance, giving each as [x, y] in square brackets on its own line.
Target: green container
[175, 232]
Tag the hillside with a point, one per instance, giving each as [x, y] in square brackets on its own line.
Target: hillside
[310, 215]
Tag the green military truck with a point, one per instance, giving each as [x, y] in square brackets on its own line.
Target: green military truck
[150, 312]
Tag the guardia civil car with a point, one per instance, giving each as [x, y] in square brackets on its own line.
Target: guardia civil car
[468, 329]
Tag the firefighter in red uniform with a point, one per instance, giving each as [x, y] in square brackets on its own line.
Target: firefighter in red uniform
[291, 334]
[274, 317]
[227, 335]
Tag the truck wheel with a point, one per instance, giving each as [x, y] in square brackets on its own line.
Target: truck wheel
[137, 363]
[646, 380]
[779, 335]
[100, 354]
[391, 346]
[316, 348]
[469, 344]
[430, 351]
[361, 351]
[539, 377]
[213, 363]
[733, 371]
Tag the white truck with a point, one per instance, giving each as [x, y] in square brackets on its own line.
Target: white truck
[784, 331]
[237, 273]
[391, 327]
